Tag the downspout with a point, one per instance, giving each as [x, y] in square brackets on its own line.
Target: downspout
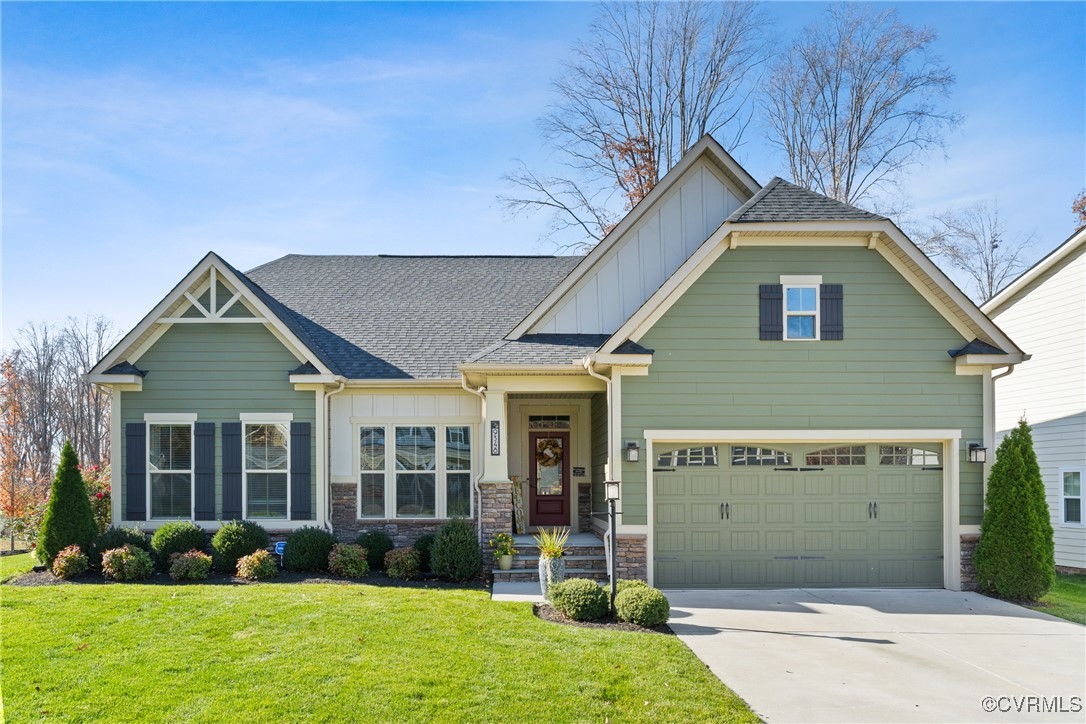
[481, 393]
[589, 364]
[328, 447]
[1001, 375]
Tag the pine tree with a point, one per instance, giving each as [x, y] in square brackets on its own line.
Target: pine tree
[1014, 557]
[69, 519]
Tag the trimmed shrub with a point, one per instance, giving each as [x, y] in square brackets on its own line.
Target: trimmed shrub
[456, 553]
[425, 546]
[257, 566]
[402, 563]
[180, 536]
[191, 566]
[234, 539]
[348, 560]
[579, 599]
[624, 583]
[128, 563]
[1014, 557]
[308, 549]
[117, 538]
[68, 519]
[377, 544]
[70, 563]
[643, 606]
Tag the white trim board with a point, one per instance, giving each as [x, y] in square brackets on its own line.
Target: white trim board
[993, 305]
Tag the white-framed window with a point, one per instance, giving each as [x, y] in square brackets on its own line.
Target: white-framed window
[691, 457]
[416, 470]
[801, 311]
[170, 463]
[266, 468]
[1071, 496]
[841, 455]
[744, 455]
[903, 455]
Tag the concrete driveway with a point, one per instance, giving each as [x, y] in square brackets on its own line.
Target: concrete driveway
[801, 655]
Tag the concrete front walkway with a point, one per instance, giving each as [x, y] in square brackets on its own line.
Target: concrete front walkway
[838, 655]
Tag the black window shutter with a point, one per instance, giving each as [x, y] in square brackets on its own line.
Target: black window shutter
[204, 495]
[770, 311]
[135, 471]
[832, 303]
[301, 507]
[231, 471]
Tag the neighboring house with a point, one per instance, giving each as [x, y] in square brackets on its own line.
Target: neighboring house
[784, 386]
[1045, 309]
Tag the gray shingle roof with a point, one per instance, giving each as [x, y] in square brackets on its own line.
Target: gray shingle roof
[543, 349]
[392, 317]
[782, 201]
[977, 346]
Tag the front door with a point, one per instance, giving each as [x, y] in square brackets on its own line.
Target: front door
[548, 494]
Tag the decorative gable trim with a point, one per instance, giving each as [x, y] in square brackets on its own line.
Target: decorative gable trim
[706, 148]
[176, 308]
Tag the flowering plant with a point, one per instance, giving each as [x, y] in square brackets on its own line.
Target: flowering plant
[97, 481]
[502, 543]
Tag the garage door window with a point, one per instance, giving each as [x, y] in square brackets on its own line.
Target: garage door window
[842, 455]
[691, 457]
[900, 455]
[748, 456]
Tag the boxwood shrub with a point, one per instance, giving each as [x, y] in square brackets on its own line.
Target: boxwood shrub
[177, 537]
[624, 583]
[579, 598]
[642, 605]
[456, 553]
[377, 544]
[308, 549]
[234, 539]
[425, 546]
[117, 538]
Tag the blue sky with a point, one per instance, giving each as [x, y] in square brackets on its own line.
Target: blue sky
[136, 137]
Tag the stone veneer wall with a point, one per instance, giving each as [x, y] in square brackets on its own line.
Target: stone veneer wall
[632, 557]
[584, 507]
[969, 574]
[347, 525]
[497, 507]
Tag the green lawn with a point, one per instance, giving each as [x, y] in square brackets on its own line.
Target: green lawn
[1067, 599]
[330, 652]
[17, 565]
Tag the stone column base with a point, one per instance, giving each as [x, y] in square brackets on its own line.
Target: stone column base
[633, 557]
[968, 572]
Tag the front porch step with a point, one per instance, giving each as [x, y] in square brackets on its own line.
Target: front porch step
[532, 574]
[593, 562]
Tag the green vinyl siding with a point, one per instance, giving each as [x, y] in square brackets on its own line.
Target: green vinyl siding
[892, 370]
[217, 371]
[599, 450]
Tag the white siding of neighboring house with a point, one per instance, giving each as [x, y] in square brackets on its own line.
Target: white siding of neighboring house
[1048, 320]
[648, 254]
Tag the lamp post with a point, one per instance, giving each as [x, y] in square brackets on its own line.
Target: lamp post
[611, 493]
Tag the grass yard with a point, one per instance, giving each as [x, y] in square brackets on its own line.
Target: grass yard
[329, 652]
[17, 565]
[1067, 599]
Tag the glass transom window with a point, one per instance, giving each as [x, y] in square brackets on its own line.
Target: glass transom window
[841, 455]
[267, 465]
[751, 456]
[801, 312]
[690, 457]
[904, 455]
[169, 465]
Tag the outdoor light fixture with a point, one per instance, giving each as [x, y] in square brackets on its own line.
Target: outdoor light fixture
[977, 453]
[633, 452]
[610, 488]
[610, 492]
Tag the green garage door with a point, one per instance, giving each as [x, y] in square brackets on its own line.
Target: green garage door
[782, 516]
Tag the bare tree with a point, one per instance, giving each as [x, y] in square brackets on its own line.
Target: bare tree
[649, 81]
[856, 102]
[974, 240]
[40, 356]
[1078, 208]
[83, 408]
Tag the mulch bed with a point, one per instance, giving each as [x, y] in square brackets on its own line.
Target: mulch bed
[374, 578]
[549, 613]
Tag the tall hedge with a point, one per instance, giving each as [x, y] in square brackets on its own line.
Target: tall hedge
[1015, 556]
[68, 519]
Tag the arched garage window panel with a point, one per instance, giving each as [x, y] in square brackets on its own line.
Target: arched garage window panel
[745, 456]
[702, 456]
[905, 455]
[839, 455]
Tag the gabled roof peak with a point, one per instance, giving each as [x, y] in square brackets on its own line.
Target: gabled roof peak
[780, 200]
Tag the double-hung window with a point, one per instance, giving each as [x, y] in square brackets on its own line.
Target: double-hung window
[169, 469]
[1071, 496]
[801, 311]
[458, 471]
[267, 469]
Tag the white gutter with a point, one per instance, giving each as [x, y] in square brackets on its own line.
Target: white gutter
[589, 363]
[481, 393]
[328, 447]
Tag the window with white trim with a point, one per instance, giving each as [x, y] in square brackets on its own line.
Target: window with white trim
[458, 471]
[266, 469]
[905, 455]
[169, 469]
[841, 455]
[743, 455]
[1071, 495]
[371, 481]
[691, 457]
[801, 311]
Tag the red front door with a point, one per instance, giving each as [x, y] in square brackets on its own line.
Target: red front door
[548, 489]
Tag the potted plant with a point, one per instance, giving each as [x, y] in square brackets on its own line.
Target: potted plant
[504, 551]
[552, 546]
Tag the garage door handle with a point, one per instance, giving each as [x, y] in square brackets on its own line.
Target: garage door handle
[870, 515]
[876, 511]
[725, 511]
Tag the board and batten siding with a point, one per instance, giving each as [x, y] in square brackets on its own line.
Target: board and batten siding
[891, 370]
[647, 254]
[218, 371]
[1047, 319]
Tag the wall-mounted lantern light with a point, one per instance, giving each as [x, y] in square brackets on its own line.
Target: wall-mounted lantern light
[977, 453]
[633, 452]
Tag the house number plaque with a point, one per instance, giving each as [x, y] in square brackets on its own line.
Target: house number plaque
[495, 437]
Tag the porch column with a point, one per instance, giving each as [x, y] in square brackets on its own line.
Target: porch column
[496, 490]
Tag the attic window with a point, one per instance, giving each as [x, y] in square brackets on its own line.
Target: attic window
[801, 311]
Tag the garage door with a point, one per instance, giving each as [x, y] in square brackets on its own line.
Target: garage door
[780, 516]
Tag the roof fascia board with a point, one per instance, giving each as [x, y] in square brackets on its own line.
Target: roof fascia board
[135, 381]
[990, 359]
[1034, 272]
[623, 360]
[575, 367]
[707, 145]
[407, 383]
